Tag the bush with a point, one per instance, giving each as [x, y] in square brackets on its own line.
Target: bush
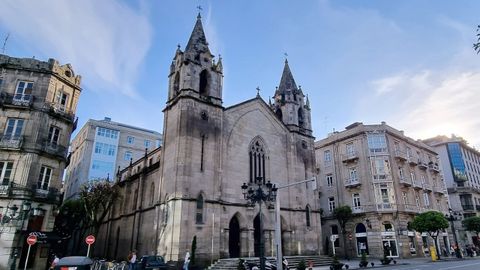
[301, 265]
[363, 260]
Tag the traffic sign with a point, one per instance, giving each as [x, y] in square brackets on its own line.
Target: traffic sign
[31, 240]
[90, 239]
[333, 237]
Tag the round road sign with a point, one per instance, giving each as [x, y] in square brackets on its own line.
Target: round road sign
[31, 240]
[90, 239]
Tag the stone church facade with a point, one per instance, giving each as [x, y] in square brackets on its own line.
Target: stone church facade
[191, 186]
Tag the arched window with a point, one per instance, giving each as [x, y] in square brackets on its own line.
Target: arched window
[257, 162]
[199, 212]
[176, 84]
[203, 83]
[301, 119]
[307, 215]
[279, 114]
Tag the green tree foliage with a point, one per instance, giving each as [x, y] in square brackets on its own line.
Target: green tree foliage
[472, 224]
[70, 219]
[431, 222]
[98, 197]
[343, 214]
[476, 46]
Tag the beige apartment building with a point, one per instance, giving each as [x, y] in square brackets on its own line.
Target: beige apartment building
[104, 147]
[38, 100]
[386, 178]
[461, 170]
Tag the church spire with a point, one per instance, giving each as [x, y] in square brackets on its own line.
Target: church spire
[197, 42]
[287, 83]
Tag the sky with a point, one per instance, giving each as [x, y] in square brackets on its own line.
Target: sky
[409, 63]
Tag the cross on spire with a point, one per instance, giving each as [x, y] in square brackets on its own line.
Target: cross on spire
[286, 56]
[258, 91]
[199, 8]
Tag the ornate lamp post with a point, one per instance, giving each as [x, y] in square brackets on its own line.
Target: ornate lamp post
[259, 192]
[452, 216]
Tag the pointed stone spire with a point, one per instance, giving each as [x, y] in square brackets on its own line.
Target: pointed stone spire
[197, 42]
[287, 83]
[219, 64]
[307, 103]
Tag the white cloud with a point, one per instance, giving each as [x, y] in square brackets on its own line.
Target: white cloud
[105, 41]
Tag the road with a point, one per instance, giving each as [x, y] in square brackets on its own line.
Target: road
[419, 264]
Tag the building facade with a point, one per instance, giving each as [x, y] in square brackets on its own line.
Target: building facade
[386, 178]
[461, 169]
[192, 185]
[38, 101]
[103, 147]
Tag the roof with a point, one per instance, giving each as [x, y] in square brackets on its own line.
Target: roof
[198, 41]
[287, 82]
[74, 261]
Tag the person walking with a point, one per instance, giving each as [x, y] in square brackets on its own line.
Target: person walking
[132, 260]
[187, 261]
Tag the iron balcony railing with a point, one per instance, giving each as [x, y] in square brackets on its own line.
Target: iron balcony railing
[11, 141]
[350, 157]
[17, 99]
[351, 182]
[54, 148]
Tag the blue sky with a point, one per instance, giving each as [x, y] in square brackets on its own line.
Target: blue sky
[409, 63]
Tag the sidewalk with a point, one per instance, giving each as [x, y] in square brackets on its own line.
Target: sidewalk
[353, 263]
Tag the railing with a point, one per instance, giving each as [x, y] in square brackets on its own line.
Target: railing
[426, 186]
[380, 178]
[60, 110]
[50, 194]
[438, 189]
[349, 157]
[54, 148]
[412, 160]
[400, 155]
[468, 207]
[386, 206]
[4, 190]
[11, 142]
[417, 184]
[410, 208]
[422, 164]
[17, 99]
[434, 167]
[405, 181]
[357, 209]
[351, 182]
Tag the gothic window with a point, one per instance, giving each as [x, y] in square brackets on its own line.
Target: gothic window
[199, 212]
[307, 215]
[203, 83]
[176, 84]
[301, 119]
[257, 162]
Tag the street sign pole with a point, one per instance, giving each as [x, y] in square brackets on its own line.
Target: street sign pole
[28, 254]
[333, 238]
[89, 240]
[31, 240]
[88, 251]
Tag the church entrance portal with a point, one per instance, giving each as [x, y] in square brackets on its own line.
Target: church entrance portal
[234, 238]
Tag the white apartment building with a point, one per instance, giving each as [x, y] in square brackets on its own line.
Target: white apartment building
[102, 148]
[386, 178]
[461, 169]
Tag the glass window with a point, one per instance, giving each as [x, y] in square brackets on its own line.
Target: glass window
[14, 129]
[23, 91]
[53, 135]
[127, 156]
[107, 133]
[147, 143]
[350, 147]
[331, 204]
[456, 161]
[404, 197]
[327, 157]
[61, 99]
[130, 139]
[329, 179]
[353, 173]
[377, 142]
[105, 149]
[401, 173]
[158, 143]
[44, 178]
[380, 168]
[356, 201]
[426, 200]
[257, 161]
[5, 172]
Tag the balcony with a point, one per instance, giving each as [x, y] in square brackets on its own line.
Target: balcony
[417, 184]
[358, 209]
[422, 164]
[61, 111]
[434, 167]
[387, 207]
[54, 149]
[401, 156]
[350, 157]
[438, 189]
[381, 178]
[410, 208]
[405, 181]
[11, 142]
[17, 100]
[412, 161]
[352, 182]
[5, 190]
[51, 195]
[468, 207]
[427, 186]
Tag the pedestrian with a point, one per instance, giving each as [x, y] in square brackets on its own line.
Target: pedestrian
[132, 260]
[452, 251]
[187, 261]
[285, 263]
[445, 252]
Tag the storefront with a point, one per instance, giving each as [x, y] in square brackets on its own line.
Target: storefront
[361, 239]
[389, 240]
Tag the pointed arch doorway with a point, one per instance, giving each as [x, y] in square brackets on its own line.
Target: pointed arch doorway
[234, 238]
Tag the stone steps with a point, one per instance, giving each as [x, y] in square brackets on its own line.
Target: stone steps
[232, 263]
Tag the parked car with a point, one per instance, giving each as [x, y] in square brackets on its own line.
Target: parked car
[152, 263]
[74, 262]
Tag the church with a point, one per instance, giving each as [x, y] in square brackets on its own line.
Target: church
[191, 185]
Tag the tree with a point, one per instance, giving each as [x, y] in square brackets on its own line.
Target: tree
[343, 214]
[194, 250]
[476, 46]
[70, 220]
[98, 197]
[472, 224]
[431, 222]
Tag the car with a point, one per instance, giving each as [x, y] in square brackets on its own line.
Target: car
[74, 263]
[152, 262]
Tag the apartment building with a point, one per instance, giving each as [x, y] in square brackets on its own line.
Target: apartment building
[102, 148]
[461, 170]
[38, 100]
[386, 178]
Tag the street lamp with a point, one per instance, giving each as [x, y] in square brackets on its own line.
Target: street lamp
[452, 216]
[259, 192]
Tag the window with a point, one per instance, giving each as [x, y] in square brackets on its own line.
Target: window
[257, 161]
[130, 139]
[417, 200]
[353, 174]
[135, 199]
[147, 143]
[44, 178]
[327, 157]
[23, 91]
[199, 212]
[107, 133]
[158, 143]
[422, 178]
[14, 129]
[53, 135]
[331, 204]
[61, 99]
[203, 83]
[356, 201]
[329, 179]
[350, 147]
[377, 142]
[401, 173]
[307, 215]
[412, 177]
[127, 156]
[5, 172]
[105, 149]
[380, 168]
[426, 200]
[384, 194]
